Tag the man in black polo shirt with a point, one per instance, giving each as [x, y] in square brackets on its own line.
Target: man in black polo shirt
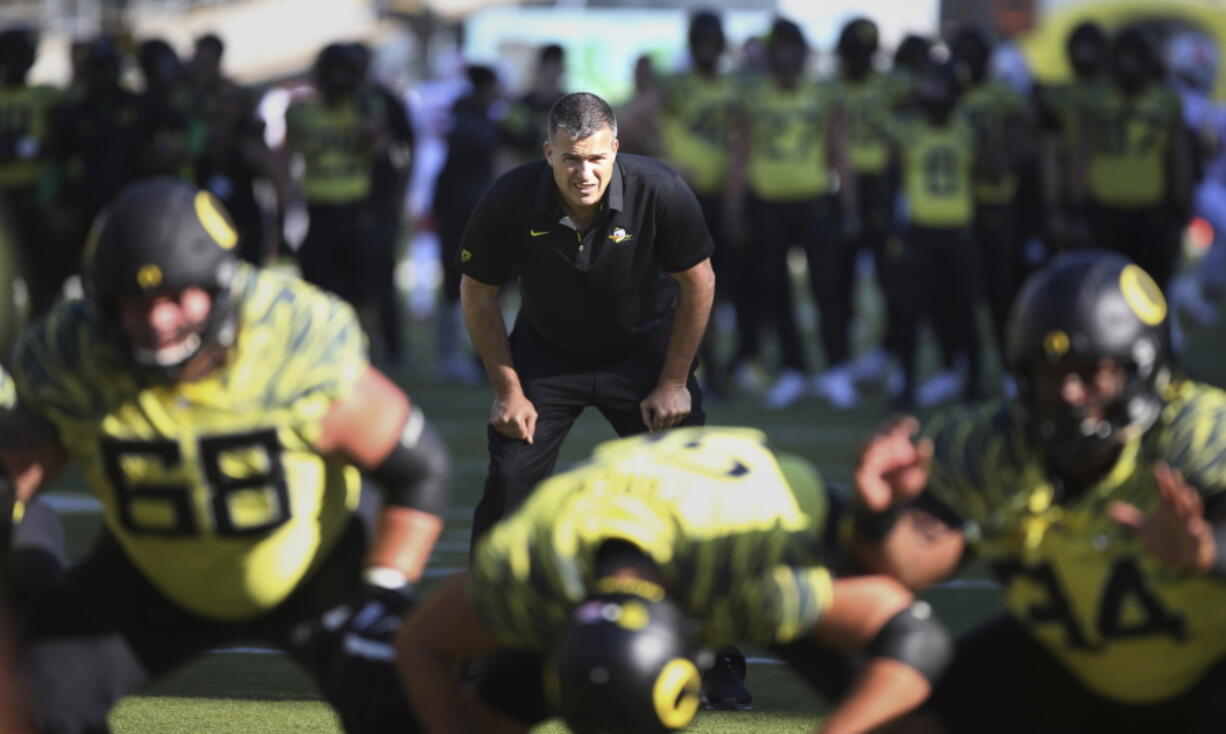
[616, 285]
[613, 256]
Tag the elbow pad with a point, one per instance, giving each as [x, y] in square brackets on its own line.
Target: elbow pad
[915, 637]
[416, 473]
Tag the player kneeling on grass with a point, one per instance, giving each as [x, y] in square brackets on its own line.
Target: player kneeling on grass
[619, 571]
[224, 416]
[1097, 498]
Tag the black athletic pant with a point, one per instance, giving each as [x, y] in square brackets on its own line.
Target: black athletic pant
[876, 198]
[336, 253]
[776, 227]
[560, 386]
[1005, 682]
[1003, 265]
[729, 287]
[103, 631]
[48, 261]
[948, 273]
[1148, 236]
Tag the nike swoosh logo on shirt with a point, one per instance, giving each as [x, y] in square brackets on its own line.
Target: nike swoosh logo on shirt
[534, 233]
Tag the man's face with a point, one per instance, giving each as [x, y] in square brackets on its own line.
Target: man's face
[1089, 387]
[164, 328]
[582, 168]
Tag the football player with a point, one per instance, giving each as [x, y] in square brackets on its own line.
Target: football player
[224, 416]
[1096, 498]
[620, 569]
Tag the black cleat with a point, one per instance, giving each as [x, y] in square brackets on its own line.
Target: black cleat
[723, 686]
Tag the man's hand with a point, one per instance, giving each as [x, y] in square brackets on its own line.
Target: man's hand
[665, 407]
[892, 469]
[514, 416]
[1177, 532]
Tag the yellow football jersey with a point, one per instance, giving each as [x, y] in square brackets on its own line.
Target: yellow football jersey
[1129, 139]
[991, 107]
[695, 129]
[787, 139]
[336, 147]
[734, 530]
[1127, 626]
[212, 487]
[937, 167]
[868, 106]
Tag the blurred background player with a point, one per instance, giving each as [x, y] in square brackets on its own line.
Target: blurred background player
[26, 178]
[468, 171]
[788, 153]
[222, 415]
[235, 156]
[1062, 108]
[695, 105]
[616, 542]
[178, 132]
[99, 137]
[1133, 165]
[338, 134]
[1095, 498]
[935, 151]
[393, 168]
[868, 102]
[1000, 121]
[527, 114]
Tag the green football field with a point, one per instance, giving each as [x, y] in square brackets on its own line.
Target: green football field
[255, 691]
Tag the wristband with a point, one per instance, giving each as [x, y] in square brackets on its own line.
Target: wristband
[385, 577]
[874, 525]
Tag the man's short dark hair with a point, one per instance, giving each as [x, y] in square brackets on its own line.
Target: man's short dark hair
[551, 52]
[581, 115]
[211, 41]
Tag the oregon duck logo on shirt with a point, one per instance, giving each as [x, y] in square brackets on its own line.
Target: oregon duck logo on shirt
[620, 235]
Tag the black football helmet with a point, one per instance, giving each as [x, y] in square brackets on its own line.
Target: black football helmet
[971, 51]
[162, 235]
[857, 44]
[935, 89]
[1134, 60]
[1079, 308]
[1087, 49]
[626, 666]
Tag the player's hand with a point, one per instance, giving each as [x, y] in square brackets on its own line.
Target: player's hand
[514, 416]
[665, 407]
[892, 469]
[1177, 532]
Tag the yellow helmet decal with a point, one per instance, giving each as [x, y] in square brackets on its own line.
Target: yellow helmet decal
[626, 585]
[1142, 295]
[633, 616]
[214, 222]
[1055, 343]
[149, 276]
[676, 693]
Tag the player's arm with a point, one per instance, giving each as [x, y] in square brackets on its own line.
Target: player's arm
[670, 402]
[379, 431]
[836, 155]
[738, 170]
[907, 650]
[512, 414]
[438, 634]
[890, 532]
[31, 455]
[1184, 530]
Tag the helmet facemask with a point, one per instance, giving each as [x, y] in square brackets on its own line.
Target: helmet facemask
[1088, 314]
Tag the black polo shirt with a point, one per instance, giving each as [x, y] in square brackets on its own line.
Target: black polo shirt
[590, 294]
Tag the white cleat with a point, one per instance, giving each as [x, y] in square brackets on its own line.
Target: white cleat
[942, 386]
[790, 387]
[837, 387]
